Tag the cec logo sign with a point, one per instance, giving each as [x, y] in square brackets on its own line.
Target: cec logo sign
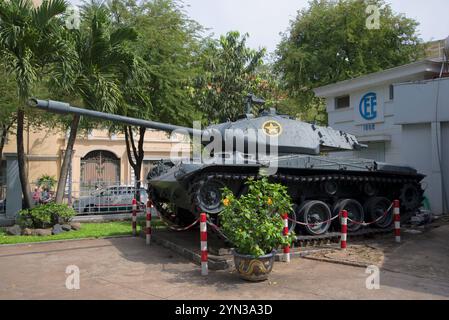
[368, 106]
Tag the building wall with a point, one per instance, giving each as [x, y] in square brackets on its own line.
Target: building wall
[45, 148]
[425, 121]
[381, 135]
[445, 161]
[419, 148]
[405, 130]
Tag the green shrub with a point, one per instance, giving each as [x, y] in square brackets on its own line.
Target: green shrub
[45, 216]
[46, 182]
[254, 223]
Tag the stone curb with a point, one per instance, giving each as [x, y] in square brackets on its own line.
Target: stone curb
[61, 241]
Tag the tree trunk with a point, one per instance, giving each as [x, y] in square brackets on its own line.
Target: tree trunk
[139, 153]
[22, 161]
[139, 162]
[67, 159]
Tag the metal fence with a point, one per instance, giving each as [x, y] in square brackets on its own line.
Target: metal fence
[93, 198]
[102, 197]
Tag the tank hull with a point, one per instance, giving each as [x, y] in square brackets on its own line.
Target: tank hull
[186, 189]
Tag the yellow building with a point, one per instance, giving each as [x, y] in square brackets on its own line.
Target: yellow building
[99, 160]
[97, 157]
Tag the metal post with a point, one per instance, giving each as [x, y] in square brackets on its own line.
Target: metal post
[134, 218]
[148, 222]
[203, 232]
[397, 221]
[286, 257]
[344, 229]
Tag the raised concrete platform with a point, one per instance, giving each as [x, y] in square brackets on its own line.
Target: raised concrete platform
[187, 244]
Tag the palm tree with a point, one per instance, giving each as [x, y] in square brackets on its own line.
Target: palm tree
[8, 107]
[29, 39]
[104, 63]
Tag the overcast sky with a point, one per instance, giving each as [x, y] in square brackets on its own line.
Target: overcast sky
[265, 19]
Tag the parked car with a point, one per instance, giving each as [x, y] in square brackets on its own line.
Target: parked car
[113, 199]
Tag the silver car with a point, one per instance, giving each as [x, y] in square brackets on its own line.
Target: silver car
[114, 199]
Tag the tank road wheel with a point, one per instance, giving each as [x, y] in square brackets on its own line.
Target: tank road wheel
[411, 197]
[317, 213]
[330, 187]
[294, 217]
[375, 208]
[355, 212]
[208, 196]
[369, 189]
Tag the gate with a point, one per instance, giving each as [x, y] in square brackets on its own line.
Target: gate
[98, 168]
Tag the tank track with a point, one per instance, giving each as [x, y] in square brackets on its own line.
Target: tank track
[297, 184]
[308, 182]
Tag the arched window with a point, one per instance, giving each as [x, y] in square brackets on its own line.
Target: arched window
[100, 168]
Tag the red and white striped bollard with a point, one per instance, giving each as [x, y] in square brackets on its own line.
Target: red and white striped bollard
[134, 218]
[344, 230]
[148, 223]
[286, 257]
[203, 233]
[397, 221]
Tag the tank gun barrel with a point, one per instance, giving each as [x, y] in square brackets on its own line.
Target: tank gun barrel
[65, 108]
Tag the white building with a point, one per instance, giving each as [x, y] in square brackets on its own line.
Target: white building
[402, 114]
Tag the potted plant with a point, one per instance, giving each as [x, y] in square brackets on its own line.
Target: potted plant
[253, 223]
[46, 182]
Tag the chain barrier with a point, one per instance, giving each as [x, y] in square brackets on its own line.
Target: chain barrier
[314, 224]
[217, 229]
[365, 224]
[171, 227]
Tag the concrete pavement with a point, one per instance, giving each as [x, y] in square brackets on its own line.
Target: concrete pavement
[127, 269]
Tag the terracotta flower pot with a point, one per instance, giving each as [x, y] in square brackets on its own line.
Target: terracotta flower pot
[254, 269]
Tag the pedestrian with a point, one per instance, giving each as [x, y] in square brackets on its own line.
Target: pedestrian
[36, 196]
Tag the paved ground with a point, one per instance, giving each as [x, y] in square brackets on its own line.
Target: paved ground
[127, 269]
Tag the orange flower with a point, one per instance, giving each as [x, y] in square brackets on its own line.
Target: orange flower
[270, 201]
[226, 202]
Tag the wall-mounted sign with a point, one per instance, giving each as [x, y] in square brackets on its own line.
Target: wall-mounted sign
[368, 106]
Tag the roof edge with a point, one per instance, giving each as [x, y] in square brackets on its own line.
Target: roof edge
[421, 66]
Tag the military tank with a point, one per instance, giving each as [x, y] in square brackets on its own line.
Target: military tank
[320, 184]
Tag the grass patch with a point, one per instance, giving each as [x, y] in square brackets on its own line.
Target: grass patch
[88, 230]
